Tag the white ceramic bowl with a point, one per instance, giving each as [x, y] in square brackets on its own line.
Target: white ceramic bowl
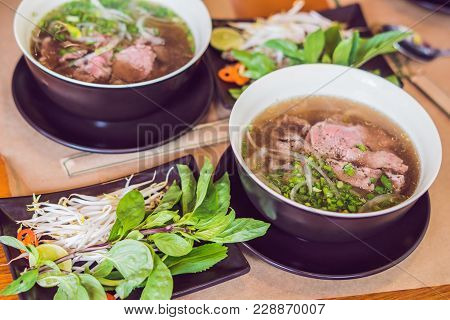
[349, 83]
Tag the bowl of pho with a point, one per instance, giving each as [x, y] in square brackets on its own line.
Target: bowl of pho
[112, 60]
[331, 153]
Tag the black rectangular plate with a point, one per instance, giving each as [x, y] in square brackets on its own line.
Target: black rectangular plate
[351, 15]
[13, 209]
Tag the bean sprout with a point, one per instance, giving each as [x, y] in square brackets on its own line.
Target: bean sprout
[79, 221]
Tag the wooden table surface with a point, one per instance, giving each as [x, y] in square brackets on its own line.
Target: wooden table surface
[382, 11]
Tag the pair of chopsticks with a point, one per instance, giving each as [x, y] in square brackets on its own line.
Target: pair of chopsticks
[421, 82]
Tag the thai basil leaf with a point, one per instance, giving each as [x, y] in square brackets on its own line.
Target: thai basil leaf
[210, 204]
[50, 264]
[13, 242]
[172, 244]
[257, 63]
[33, 255]
[159, 284]
[93, 287]
[216, 225]
[129, 284]
[170, 199]
[116, 231]
[379, 44]
[131, 210]
[130, 257]
[22, 284]
[332, 39]
[158, 219]
[287, 47]
[203, 182]
[223, 190]
[326, 59]
[241, 230]
[188, 187]
[134, 261]
[199, 259]
[70, 288]
[135, 235]
[49, 279]
[313, 46]
[355, 46]
[342, 52]
[103, 269]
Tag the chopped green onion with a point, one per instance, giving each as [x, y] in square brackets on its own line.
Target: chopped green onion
[349, 169]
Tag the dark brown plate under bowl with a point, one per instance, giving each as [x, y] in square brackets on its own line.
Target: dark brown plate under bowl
[13, 209]
[348, 260]
[351, 15]
[155, 129]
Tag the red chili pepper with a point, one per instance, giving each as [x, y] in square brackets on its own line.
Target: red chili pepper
[27, 237]
[110, 296]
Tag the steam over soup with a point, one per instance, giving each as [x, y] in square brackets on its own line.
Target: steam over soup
[112, 41]
[332, 154]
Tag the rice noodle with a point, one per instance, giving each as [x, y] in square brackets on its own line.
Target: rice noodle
[368, 206]
[111, 14]
[147, 33]
[295, 189]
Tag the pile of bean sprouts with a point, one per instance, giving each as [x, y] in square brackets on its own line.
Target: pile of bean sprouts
[82, 221]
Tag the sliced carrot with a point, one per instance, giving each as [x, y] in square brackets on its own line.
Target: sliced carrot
[231, 74]
[27, 237]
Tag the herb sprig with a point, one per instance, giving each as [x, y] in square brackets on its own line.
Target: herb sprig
[185, 233]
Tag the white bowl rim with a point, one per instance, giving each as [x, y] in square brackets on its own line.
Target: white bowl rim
[401, 205]
[196, 58]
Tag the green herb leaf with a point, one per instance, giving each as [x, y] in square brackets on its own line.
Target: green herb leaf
[158, 219]
[355, 45]
[172, 244]
[203, 182]
[130, 257]
[22, 284]
[241, 230]
[135, 235]
[116, 231]
[257, 63]
[349, 169]
[198, 260]
[131, 210]
[287, 47]
[103, 269]
[379, 44]
[332, 39]
[170, 198]
[159, 284]
[223, 190]
[93, 287]
[13, 242]
[214, 226]
[70, 288]
[134, 261]
[341, 54]
[188, 187]
[313, 46]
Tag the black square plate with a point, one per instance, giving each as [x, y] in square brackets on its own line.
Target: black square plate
[13, 209]
[351, 15]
